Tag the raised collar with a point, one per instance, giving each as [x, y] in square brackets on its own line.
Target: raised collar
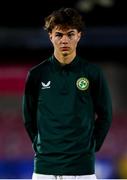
[58, 65]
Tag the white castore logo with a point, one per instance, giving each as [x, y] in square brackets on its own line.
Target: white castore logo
[45, 86]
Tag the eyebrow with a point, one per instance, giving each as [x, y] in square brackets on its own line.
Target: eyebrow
[72, 31]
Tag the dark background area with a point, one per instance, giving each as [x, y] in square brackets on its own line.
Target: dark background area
[30, 14]
[21, 26]
[24, 43]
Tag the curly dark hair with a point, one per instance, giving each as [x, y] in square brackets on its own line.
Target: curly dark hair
[64, 18]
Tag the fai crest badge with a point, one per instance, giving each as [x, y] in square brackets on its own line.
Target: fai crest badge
[82, 83]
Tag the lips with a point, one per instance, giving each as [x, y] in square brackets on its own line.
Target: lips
[65, 48]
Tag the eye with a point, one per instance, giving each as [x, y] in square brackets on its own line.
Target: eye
[58, 35]
[70, 35]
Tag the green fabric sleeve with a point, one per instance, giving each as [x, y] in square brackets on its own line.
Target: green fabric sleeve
[103, 109]
[29, 107]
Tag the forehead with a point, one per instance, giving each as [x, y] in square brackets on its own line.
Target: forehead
[64, 29]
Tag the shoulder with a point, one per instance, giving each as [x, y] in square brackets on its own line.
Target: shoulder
[90, 66]
[35, 72]
[93, 71]
[39, 67]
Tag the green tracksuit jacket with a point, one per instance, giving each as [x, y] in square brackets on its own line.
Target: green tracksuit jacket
[67, 113]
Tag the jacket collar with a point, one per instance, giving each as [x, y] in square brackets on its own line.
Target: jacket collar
[70, 66]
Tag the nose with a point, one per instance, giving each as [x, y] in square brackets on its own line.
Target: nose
[65, 39]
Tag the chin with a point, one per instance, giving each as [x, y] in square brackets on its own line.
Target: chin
[65, 53]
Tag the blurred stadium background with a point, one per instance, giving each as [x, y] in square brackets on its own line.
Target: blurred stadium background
[23, 43]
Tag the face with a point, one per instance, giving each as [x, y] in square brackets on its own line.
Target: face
[64, 40]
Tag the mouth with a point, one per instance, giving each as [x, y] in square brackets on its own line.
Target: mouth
[64, 48]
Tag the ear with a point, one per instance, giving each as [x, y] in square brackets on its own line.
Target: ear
[79, 35]
[50, 36]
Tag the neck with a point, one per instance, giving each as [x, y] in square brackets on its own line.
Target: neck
[65, 59]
